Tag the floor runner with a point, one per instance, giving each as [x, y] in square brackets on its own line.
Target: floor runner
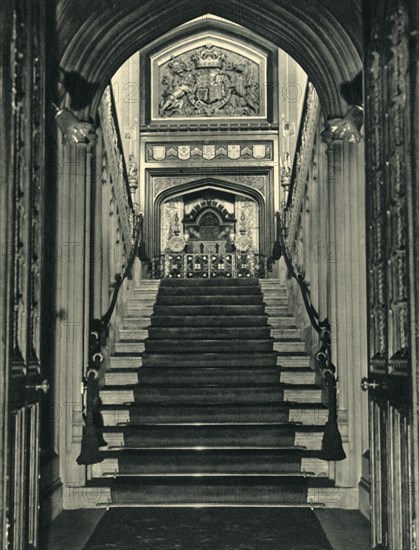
[208, 529]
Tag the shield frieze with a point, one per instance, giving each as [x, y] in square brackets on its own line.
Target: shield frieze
[208, 152]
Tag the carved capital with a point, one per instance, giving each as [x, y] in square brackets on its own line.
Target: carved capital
[346, 128]
[73, 129]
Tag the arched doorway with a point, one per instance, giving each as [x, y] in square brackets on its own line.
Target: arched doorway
[177, 161]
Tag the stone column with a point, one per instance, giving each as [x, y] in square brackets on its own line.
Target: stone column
[345, 256]
[73, 292]
[332, 255]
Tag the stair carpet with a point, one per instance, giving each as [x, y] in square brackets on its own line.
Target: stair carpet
[210, 400]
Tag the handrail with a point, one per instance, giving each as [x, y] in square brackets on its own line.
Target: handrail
[119, 279]
[332, 448]
[92, 437]
[318, 325]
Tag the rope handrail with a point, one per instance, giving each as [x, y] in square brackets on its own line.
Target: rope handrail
[119, 279]
[319, 326]
[92, 438]
[332, 448]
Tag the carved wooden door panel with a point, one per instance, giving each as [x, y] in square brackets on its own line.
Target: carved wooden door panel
[392, 286]
[25, 178]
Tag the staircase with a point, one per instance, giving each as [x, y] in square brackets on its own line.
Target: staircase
[210, 401]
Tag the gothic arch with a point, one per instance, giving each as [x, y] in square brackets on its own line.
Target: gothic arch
[326, 46]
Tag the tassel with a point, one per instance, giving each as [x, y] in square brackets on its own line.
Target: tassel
[142, 254]
[332, 448]
[89, 453]
[276, 252]
[98, 423]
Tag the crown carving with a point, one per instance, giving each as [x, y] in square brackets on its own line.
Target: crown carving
[208, 57]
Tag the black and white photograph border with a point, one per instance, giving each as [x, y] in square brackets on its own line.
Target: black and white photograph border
[209, 300]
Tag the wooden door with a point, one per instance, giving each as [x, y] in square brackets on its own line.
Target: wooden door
[392, 283]
[24, 212]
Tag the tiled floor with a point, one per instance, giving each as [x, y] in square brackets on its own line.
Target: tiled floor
[345, 529]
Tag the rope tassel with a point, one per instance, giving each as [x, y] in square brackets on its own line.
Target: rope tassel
[92, 439]
[332, 447]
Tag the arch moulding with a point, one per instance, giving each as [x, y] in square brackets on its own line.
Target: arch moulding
[256, 187]
[308, 31]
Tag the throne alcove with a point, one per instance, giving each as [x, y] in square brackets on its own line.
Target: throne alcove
[208, 221]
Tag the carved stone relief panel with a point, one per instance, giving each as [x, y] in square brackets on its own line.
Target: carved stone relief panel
[171, 216]
[247, 213]
[209, 76]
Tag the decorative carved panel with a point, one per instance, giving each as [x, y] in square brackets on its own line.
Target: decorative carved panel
[209, 81]
[24, 184]
[247, 213]
[171, 216]
[259, 182]
[121, 181]
[391, 283]
[388, 180]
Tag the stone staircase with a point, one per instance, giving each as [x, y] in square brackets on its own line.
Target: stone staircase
[210, 401]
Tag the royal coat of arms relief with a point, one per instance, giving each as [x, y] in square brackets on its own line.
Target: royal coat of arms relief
[209, 82]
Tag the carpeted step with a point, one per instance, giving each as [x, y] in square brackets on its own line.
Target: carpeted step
[211, 490]
[198, 412]
[225, 436]
[209, 333]
[203, 310]
[222, 436]
[212, 394]
[207, 359]
[192, 376]
[238, 320]
[302, 413]
[196, 376]
[220, 300]
[209, 282]
[208, 394]
[209, 290]
[208, 461]
[187, 346]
